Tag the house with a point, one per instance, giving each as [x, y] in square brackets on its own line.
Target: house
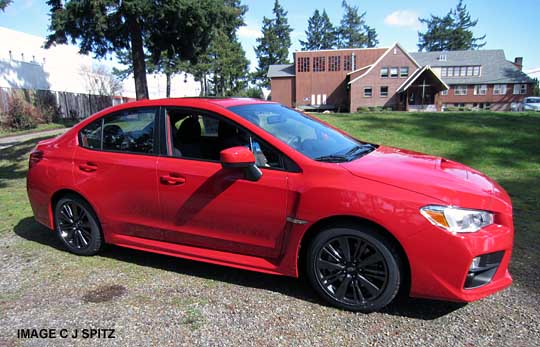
[350, 79]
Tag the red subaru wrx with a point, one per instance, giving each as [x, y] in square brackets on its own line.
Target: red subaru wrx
[256, 185]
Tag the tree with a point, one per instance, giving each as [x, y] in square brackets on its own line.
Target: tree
[4, 3]
[536, 87]
[182, 27]
[353, 31]
[450, 32]
[273, 46]
[321, 34]
[100, 81]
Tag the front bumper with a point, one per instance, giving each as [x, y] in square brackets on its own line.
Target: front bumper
[440, 262]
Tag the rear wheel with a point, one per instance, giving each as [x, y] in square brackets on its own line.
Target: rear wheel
[354, 268]
[77, 226]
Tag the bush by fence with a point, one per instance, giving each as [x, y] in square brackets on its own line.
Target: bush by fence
[44, 106]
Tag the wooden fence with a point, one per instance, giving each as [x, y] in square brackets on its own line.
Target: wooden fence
[68, 105]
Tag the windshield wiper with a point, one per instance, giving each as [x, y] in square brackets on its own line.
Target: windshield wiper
[334, 158]
[358, 150]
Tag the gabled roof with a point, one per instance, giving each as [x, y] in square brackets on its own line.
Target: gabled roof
[494, 66]
[419, 72]
[282, 70]
[382, 57]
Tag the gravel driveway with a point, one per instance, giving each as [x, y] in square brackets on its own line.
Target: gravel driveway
[157, 300]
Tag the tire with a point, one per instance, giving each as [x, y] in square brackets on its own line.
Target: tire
[354, 268]
[77, 226]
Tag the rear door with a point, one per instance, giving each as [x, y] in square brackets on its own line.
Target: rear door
[207, 206]
[115, 167]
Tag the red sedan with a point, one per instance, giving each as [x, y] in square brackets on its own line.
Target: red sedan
[258, 186]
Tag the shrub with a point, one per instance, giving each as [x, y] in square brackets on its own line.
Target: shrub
[362, 109]
[21, 114]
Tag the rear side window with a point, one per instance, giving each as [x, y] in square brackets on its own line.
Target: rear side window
[129, 131]
[90, 136]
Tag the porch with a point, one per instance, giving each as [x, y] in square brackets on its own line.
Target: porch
[420, 92]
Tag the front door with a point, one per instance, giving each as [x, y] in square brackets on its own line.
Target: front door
[207, 206]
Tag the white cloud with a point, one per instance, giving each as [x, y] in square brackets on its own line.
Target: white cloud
[249, 32]
[403, 18]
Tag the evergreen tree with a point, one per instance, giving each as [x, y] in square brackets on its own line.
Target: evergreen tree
[321, 34]
[273, 46]
[451, 32]
[4, 3]
[182, 28]
[371, 37]
[352, 31]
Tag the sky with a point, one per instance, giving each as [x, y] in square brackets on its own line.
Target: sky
[509, 25]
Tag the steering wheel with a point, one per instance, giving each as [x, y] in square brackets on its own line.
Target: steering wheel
[294, 141]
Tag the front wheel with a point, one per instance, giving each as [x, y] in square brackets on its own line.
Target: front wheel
[77, 226]
[354, 268]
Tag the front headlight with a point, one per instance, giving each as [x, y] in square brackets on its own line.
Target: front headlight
[457, 220]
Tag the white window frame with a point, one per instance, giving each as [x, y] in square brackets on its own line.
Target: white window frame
[460, 90]
[480, 89]
[499, 89]
[387, 72]
[444, 92]
[370, 93]
[381, 92]
[392, 75]
[404, 68]
[520, 88]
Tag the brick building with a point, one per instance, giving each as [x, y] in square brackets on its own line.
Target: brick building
[348, 79]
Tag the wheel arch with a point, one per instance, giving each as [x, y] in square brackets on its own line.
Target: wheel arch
[351, 221]
[56, 196]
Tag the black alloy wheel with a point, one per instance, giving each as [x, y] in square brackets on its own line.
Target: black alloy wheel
[77, 226]
[354, 269]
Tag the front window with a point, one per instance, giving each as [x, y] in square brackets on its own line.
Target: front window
[303, 133]
[499, 89]
[393, 72]
[460, 90]
[384, 91]
[532, 101]
[384, 72]
[403, 72]
[303, 64]
[368, 92]
[480, 89]
[334, 63]
[319, 64]
[520, 89]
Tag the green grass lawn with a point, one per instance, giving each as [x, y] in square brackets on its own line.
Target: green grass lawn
[504, 146]
[39, 127]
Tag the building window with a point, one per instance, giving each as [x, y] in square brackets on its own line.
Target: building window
[334, 63]
[444, 92]
[393, 72]
[460, 90]
[384, 91]
[442, 57]
[384, 72]
[368, 92]
[349, 62]
[303, 64]
[499, 89]
[404, 71]
[480, 89]
[460, 71]
[520, 89]
[319, 64]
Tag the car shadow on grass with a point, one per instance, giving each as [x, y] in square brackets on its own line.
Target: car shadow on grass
[32, 231]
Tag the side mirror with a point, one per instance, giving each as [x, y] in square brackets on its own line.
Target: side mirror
[243, 158]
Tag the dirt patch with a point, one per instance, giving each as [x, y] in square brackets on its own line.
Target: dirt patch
[104, 293]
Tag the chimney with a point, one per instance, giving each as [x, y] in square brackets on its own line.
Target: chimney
[518, 62]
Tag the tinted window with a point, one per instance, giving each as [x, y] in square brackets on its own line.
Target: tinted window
[299, 131]
[130, 131]
[195, 136]
[90, 136]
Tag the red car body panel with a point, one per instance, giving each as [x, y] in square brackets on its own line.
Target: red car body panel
[198, 210]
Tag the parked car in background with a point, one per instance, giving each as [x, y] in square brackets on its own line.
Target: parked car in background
[531, 103]
[256, 185]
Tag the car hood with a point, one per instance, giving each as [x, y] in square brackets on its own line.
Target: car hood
[448, 181]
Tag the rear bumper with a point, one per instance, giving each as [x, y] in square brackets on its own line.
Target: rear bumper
[440, 262]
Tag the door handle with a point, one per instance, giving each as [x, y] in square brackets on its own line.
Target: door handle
[173, 179]
[88, 167]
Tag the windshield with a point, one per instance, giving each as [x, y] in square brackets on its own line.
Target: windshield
[532, 100]
[303, 133]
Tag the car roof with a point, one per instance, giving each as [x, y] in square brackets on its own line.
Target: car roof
[223, 102]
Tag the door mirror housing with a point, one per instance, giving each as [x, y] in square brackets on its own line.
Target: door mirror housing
[242, 158]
